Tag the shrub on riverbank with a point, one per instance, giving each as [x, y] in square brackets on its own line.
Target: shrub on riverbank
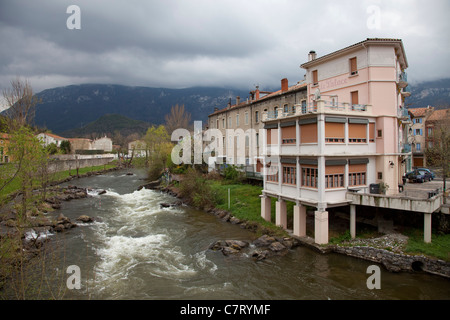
[195, 189]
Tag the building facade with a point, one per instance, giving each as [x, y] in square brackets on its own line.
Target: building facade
[49, 138]
[241, 138]
[349, 135]
[418, 134]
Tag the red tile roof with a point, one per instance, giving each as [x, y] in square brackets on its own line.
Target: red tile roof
[420, 112]
[267, 96]
[439, 115]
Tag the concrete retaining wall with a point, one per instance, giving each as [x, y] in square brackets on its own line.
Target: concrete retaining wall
[56, 165]
[397, 262]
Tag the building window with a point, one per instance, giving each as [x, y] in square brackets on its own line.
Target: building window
[217, 123]
[288, 135]
[353, 66]
[334, 181]
[272, 136]
[315, 78]
[275, 111]
[309, 177]
[289, 175]
[334, 176]
[418, 120]
[308, 133]
[430, 131]
[246, 118]
[256, 116]
[223, 123]
[418, 132]
[257, 140]
[272, 174]
[304, 109]
[286, 108]
[237, 120]
[357, 175]
[354, 98]
[379, 133]
[371, 132]
[418, 147]
[380, 175]
[357, 133]
[334, 132]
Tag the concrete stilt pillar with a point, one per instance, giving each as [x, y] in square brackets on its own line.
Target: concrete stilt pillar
[353, 221]
[281, 214]
[299, 220]
[427, 227]
[321, 227]
[266, 208]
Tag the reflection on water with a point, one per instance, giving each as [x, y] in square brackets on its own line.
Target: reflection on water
[138, 250]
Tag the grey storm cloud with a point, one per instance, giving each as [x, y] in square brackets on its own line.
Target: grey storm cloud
[198, 42]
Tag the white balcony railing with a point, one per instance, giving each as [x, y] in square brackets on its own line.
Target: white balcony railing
[321, 106]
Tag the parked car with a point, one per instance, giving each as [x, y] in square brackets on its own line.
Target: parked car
[418, 175]
[433, 175]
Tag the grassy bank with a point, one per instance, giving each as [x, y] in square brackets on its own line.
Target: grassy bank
[439, 246]
[14, 185]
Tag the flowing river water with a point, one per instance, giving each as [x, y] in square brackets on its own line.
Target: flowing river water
[138, 250]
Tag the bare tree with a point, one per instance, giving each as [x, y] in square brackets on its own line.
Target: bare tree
[438, 150]
[20, 103]
[177, 118]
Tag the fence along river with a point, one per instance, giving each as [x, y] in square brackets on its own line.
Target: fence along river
[138, 250]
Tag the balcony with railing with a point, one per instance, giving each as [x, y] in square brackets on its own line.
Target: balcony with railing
[403, 115]
[321, 106]
[406, 92]
[402, 80]
[405, 148]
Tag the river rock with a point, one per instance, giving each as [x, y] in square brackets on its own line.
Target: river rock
[264, 241]
[85, 219]
[277, 247]
[238, 244]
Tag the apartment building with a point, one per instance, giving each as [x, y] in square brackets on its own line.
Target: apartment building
[241, 126]
[417, 134]
[347, 136]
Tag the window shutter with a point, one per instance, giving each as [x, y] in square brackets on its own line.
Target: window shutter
[353, 66]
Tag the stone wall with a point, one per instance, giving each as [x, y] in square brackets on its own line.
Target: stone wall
[397, 262]
[57, 165]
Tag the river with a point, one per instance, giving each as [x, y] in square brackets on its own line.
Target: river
[138, 250]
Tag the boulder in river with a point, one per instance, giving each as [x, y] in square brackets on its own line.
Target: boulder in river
[85, 219]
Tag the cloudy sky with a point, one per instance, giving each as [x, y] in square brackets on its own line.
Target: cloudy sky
[228, 43]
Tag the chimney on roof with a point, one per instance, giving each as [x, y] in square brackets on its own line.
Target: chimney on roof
[284, 85]
[238, 100]
[311, 55]
[216, 109]
[257, 93]
[229, 103]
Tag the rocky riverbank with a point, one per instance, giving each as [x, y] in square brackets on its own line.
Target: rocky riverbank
[387, 250]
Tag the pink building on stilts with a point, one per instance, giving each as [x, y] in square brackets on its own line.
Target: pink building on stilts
[349, 136]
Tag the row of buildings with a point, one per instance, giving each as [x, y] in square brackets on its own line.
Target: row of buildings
[344, 128]
[77, 145]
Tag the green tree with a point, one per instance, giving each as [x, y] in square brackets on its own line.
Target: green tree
[159, 148]
[65, 146]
